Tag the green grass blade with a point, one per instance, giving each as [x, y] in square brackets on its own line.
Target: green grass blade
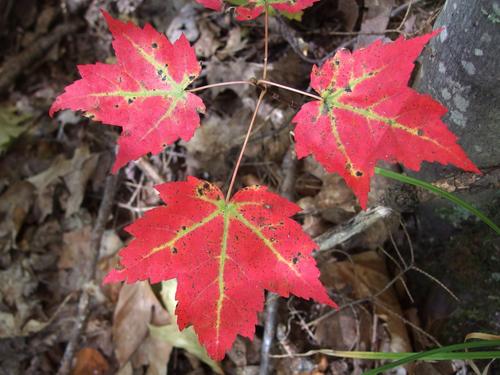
[452, 198]
[445, 349]
[399, 356]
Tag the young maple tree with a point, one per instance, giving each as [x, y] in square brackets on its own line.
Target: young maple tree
[225, 251]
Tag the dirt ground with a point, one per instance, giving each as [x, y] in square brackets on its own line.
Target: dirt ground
[54, 181]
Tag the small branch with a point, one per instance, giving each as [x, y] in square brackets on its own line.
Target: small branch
[356, 33]
[85, 296]
[284, 87]
[249, 131]
[353, 227]
[228, 83]
[272, 303]
[287, 190]
[408, 9]
[401, 8]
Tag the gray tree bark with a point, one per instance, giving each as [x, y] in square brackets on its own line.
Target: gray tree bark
[460, 68]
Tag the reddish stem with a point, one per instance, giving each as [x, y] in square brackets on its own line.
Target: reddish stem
[284, 87]
[266, 40]
[249, 131]
[228, 83]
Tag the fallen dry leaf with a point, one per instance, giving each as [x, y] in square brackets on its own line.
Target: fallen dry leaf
[208, 42]
[76, 258]
[336, 201]
[234, 43]
[46, 181]
[90, 362]
[15, 204]
[136, 309]
[367, 275]
[375, 20]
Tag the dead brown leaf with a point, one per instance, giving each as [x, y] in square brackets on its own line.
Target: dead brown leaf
[137, 308]
[15, 204]
[76, 172]
[375, 20]
[367, 275]
[90, 362]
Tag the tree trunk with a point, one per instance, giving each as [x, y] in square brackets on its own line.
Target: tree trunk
[460, 69]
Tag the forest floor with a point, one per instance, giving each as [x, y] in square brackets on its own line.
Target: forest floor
[53, 173]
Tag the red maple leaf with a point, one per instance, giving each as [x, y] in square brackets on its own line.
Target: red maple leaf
[368, 113]
[144, 92]
[223, 254]
[251, 9]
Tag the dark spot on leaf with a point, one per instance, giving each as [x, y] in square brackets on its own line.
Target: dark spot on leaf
[295, 260]
[183, 227]
[174, 250]
[130, 101]
[154, 45]
[206, 186]
[348, 89]
[359, 173]
[117, 106]
[420, 132]
[160, 72]
[348, 166]
[336, 62]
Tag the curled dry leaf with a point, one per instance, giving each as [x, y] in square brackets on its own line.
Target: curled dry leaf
[223, 254]
[90, 362]
[137, 308]
[367, 275]
[15, 204]
[376, 17]
[75, 171]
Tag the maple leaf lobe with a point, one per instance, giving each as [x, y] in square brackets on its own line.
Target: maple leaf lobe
[223, 254]
[368, 113]
[144, 92]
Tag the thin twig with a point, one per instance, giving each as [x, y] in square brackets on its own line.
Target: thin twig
[401, 25]
[284, 87]
[272, 302]
[266, 40]
[85, 295]
[402, 7]
[220, 84]
[287, 190]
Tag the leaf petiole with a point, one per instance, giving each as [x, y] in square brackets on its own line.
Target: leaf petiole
[221, 84]
[288, 88]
